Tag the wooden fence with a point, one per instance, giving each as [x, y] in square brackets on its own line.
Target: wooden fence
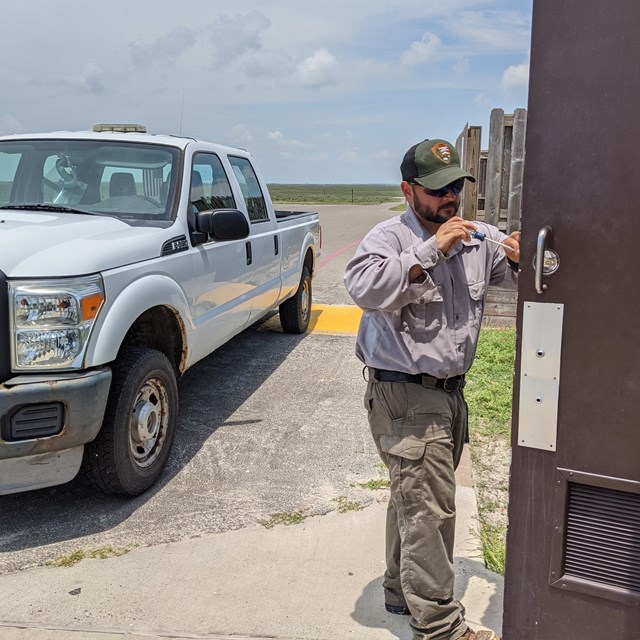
[496, 196]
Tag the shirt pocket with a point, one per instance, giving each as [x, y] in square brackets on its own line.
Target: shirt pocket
[476, 300]
[425, 314]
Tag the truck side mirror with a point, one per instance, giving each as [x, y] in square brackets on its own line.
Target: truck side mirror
[223, 224]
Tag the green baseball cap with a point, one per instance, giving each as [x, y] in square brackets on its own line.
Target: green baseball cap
[433, 164]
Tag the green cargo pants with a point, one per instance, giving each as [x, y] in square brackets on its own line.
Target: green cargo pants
[420, 434]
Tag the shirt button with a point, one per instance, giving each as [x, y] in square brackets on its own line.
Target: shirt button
[421, 301]
[460, 348]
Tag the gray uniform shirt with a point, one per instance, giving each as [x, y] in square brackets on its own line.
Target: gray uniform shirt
[429, 327]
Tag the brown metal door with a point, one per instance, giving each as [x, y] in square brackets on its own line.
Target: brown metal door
[573, 547]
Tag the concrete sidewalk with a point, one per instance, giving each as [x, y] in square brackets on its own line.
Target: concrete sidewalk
[319, 580]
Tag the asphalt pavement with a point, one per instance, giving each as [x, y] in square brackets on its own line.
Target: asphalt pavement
[272, 429]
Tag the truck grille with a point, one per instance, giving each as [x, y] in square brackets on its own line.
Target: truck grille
[5, 357]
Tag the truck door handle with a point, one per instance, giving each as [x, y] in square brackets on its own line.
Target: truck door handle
[275, 244]
[249, 255]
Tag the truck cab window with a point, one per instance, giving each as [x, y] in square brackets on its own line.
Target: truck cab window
[251, 191]
[210, 188]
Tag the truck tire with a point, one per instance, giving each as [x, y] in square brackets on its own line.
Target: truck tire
[137, 433]
[295, 312]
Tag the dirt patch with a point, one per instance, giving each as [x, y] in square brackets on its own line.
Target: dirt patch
[491, 460]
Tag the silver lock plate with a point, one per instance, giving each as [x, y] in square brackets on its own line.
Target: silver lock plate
[551, 262]
[540, 375]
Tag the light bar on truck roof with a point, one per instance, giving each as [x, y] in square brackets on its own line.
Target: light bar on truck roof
[120, 128]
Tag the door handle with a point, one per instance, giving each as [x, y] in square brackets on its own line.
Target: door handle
[275, 245]
[249, 254]
[540, 247]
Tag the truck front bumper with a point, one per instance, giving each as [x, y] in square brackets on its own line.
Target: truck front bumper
[45, 422]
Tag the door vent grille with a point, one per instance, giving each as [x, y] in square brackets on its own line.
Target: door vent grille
[603, 536]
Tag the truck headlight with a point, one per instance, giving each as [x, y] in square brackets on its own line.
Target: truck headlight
[51, 321]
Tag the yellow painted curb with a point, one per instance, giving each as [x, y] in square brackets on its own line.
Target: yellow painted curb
[335, 319]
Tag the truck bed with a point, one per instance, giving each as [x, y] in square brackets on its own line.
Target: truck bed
[283, 215]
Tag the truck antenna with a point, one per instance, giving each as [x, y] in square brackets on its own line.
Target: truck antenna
[181, 113]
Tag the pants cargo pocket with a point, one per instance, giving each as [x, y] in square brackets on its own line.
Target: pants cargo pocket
[407, 447]
[420, 457]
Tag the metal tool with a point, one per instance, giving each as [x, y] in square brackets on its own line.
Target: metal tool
[478, 235]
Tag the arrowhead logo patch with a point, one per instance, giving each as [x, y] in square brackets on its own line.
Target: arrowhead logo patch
[442, 152]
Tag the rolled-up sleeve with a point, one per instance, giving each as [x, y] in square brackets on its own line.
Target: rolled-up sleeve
[377, 277]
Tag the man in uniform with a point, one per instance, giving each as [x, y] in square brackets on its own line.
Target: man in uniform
[421, 280]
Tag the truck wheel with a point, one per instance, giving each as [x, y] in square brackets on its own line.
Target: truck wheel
[137, 433]
[295, 312]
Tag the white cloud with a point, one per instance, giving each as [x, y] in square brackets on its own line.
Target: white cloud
[90, 78]
[163, 50]
[517, 75]
[9, 124]
[234, 36]
[351, 155]
[482, 31]
[482, 100]
[422, 51]
[240, 135]
[317, 70]
[279, 138]
[321, 156]
[461, 67]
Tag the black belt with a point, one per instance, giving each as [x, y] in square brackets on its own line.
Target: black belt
[454, 383]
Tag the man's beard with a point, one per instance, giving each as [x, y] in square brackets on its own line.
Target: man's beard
[440, 215]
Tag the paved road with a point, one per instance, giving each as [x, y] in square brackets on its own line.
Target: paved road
[270, 423]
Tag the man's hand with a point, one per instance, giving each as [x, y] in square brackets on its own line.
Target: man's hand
[513, 241]
[452, 232]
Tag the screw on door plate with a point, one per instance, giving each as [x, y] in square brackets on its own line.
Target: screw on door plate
[538, 399]
[540, 353]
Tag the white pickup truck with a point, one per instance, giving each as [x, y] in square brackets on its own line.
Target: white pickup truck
[125, 258]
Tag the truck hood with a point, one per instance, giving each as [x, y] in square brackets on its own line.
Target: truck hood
[36, 244]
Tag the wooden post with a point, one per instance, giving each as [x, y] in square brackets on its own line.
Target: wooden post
[494, 167]
[461, 145]
[514, 209]
[471, 164]
[468, 147]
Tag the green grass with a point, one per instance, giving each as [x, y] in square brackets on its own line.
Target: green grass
[334, 193]
[489, 395]
[99, 554]
[494, 548]
[295, 517]
[345, 505]
[374, 485]
[489, 387]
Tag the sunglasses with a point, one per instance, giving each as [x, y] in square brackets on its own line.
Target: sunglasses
[455, 188]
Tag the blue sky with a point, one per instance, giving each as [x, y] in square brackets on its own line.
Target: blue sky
[332, 91]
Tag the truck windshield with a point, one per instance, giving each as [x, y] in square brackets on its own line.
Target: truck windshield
[132, 181]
